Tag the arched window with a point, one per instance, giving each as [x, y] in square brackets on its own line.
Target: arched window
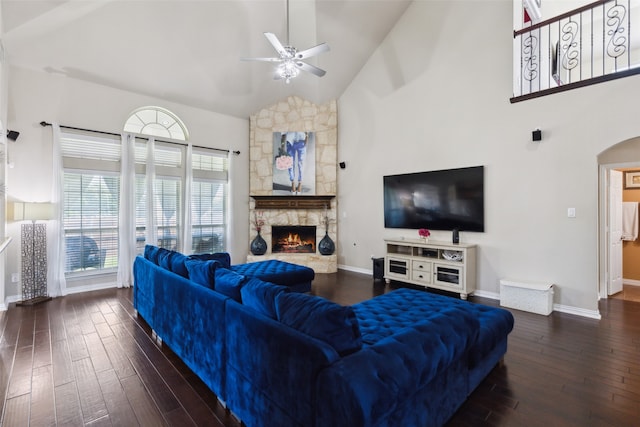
[156, 121]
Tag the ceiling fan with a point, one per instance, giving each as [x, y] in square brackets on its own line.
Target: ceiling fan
[289, 59]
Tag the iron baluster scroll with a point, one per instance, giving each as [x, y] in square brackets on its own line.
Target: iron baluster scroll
[591, 44]
[530, 60]
[616, 31]
[570, 47]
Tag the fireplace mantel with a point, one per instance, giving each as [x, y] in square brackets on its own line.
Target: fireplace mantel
[292, 202]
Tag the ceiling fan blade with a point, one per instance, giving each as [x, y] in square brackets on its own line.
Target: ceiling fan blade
[262, 59]
[312, 51]
[310, 68]
[277, 45]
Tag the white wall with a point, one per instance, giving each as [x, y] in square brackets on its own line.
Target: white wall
[36, 96]
[435, 95]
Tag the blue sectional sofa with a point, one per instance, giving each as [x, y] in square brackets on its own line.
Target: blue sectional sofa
[282, 358]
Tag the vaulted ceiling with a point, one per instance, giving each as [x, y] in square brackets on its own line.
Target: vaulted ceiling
[189, 51]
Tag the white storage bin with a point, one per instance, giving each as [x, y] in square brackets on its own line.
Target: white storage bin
[527, 296]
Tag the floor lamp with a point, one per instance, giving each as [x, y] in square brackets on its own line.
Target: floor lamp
[34, 250]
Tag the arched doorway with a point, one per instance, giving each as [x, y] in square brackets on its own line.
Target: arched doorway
[622, 156]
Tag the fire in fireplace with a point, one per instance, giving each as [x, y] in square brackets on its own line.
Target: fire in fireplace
[299, 239]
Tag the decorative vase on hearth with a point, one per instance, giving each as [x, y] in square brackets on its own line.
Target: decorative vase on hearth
[326, 245]
[258, 245]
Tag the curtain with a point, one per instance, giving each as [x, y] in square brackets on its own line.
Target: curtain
[56, 281]
[151, 231]
[230, 230]
[127, 213]
[186, 210]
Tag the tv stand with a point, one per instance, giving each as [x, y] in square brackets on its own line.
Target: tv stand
[440, 265]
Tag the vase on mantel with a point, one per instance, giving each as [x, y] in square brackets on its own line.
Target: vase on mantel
[258, 245]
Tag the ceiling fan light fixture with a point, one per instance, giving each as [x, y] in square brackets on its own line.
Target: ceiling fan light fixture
[287, 70]
[289, 59]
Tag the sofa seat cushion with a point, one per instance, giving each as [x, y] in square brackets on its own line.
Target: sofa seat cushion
[386, 314]
[276, 271]
[320, 318]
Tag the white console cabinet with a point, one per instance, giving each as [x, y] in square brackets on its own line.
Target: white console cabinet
[441, 265]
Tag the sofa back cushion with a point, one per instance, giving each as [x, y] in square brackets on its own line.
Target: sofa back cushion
[152, 252]
[228, 282]
[322, 319]
[202, 272]
[177, 264]
[222, 257]
[261, 296]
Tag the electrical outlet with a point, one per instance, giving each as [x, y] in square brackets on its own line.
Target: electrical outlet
[15, 277]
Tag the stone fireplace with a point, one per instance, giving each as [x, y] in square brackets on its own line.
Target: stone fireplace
[293, 239]
[280, 212]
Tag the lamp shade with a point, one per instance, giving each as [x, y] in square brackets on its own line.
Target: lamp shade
[32, 211]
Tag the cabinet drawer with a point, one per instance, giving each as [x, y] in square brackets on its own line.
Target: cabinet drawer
[421, 266]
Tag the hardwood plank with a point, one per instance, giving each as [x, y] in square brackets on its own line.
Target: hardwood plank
[68, 412]
[77, 345]
[42, 397]
[20, 382]
[16, 411]
[118, 357]
[153, 381]
[91, 399]
[41, 348]
[146, 411]
[62, 365]
[97, 353]
[120, 411]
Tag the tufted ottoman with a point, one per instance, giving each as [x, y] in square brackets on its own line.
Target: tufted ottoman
[386, 314]
[297, 277]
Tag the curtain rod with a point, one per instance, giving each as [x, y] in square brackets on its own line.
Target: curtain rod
[43, 124]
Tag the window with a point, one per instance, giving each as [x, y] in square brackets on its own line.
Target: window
[91, 202]
[208, 202]
[92, 185]
[167, 194]
[156, 121]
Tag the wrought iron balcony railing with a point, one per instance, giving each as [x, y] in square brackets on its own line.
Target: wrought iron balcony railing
[589, 45]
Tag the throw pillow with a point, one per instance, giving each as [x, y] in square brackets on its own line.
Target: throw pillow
[177, 264]
[222, 257]
[229, 283]
[261, 296]
[151, 253]
[322, 319]
[202, 272]
[164, 258]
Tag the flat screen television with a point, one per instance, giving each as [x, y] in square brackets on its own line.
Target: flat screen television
[438, 200]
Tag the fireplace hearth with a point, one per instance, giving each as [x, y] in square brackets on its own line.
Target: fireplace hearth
[297, 239]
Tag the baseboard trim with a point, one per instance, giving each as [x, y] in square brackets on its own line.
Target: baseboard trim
[72, 290]
[356, 270]
[486, 294]
[631, 282]
[89, 288]
[592, 314]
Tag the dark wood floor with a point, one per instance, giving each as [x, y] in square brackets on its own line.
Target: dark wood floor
[86, 359]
